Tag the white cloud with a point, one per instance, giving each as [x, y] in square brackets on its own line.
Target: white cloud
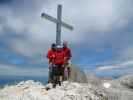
[101, 68]
[10, 21]
[15, 24]
[127, 64]
[92, 19]
[11, 70]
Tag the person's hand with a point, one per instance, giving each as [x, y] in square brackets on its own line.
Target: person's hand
[65, 59]
[50, 64]
[63, 65]
[53, 56]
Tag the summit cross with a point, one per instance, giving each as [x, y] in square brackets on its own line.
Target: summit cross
[59, 23]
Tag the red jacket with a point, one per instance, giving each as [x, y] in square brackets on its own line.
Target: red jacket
[67, 53]
[59, 58]
[51, 55]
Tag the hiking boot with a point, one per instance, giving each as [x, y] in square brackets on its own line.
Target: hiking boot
[47, 88]
[54, 85]
[59, 83]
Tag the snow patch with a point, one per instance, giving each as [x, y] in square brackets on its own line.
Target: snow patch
[107, 85]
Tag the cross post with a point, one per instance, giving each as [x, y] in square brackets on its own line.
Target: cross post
[58, 25]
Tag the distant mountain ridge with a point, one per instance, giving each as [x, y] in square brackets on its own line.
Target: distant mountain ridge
[7, 80]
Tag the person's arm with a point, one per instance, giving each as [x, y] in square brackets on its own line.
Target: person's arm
[46, 55]
[70, 54]
[49, 56]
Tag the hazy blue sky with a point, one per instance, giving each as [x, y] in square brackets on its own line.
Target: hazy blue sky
[102, 40]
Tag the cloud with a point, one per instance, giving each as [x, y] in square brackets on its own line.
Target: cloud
[114, 70]
[127, 53]
[1, 29]
[97, 27]
[122, 65]
[86, 16]
[10, 70]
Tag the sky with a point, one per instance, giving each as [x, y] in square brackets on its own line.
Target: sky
[101, 41]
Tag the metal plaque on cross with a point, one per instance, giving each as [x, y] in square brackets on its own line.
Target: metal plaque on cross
[59, 23]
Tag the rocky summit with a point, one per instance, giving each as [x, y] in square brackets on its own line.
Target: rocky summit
[30, 90]
[120, 89]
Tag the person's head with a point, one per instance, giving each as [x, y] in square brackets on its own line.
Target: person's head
[53, 46]
[65, 44]
[59, 48]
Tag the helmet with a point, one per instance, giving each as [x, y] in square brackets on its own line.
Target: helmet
[59, 46]
[65, 43]
[53, 45]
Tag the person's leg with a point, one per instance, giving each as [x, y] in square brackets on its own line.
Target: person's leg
[58, 74]
[54, 76]
[65, 71]
[60, 78]
[50, 74]
[61, 74]
[69, 72]
[65, 74]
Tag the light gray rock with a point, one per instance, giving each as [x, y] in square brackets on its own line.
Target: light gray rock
[125, 82]
[77, 75]
[122, 88]
[36, 91]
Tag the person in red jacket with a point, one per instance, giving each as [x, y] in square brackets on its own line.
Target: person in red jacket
[58, 69]
[51, 55]
[68, 56]
[51, 52]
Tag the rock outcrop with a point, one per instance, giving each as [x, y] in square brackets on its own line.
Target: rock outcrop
[121, 89]
[124, 82]
[77, 75]
[93, 89]
[30, 90]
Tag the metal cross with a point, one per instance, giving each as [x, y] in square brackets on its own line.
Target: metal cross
[59, 23]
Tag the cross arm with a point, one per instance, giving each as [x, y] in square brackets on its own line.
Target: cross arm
[48, 17]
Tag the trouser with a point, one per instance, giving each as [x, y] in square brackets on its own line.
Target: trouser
[58, 72]
[65, 77]
[50, 77]
[67, 71]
